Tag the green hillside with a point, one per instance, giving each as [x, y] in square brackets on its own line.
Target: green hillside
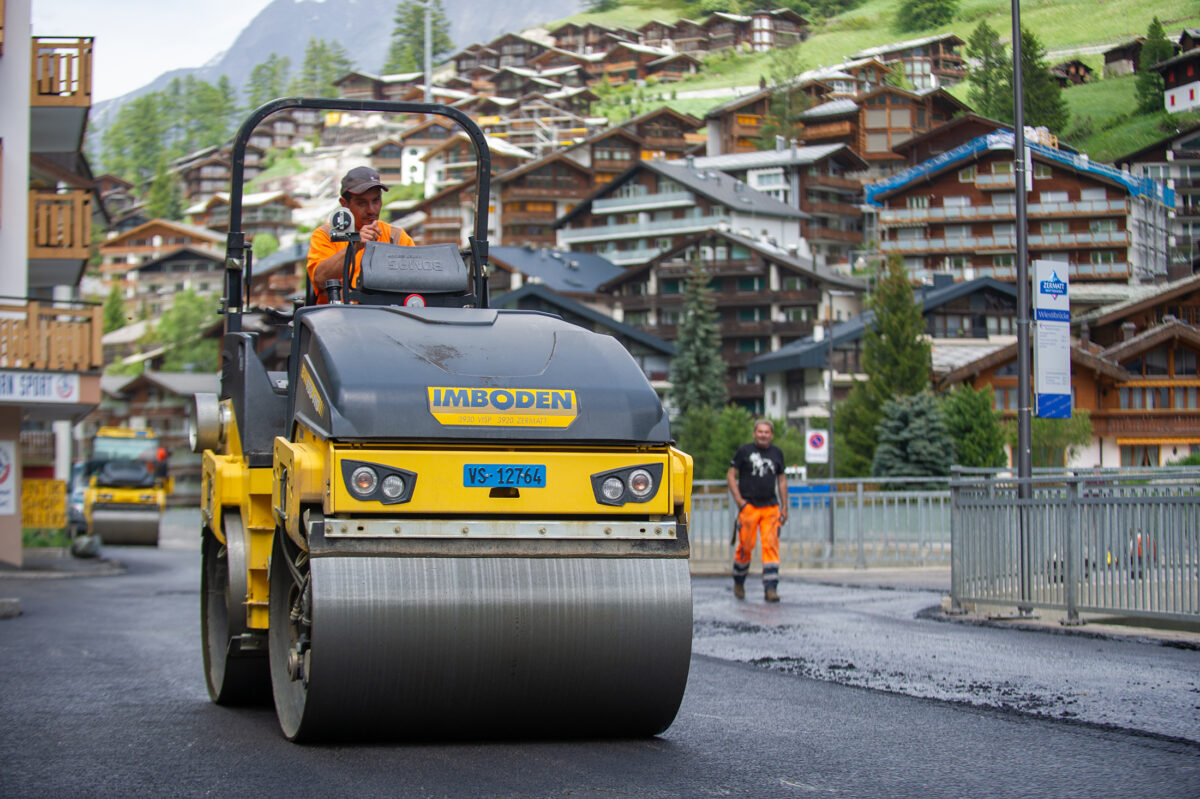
[1103, 122]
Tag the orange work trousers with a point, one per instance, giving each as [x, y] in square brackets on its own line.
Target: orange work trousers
[750, 520]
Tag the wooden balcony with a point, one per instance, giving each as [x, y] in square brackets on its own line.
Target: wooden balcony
[60, 93]
[832, 182]
[60, 224]
[832, 209]
[818, 233]
[62, 71]
[828, 130]
[42, 337]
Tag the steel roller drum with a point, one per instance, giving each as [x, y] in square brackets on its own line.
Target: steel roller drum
[472, 646]
[126, 526]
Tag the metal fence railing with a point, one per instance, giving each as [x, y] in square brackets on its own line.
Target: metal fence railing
[846, 523]
[1123, 542]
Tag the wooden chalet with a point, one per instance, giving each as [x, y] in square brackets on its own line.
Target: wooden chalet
[1071, 73]
[765, 297]
[876, 122]
[928, 62]
[153, 240]
[665, 132]
[735, 126]
[532, 197]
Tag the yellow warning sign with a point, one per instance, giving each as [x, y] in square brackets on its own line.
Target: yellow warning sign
[44, 504]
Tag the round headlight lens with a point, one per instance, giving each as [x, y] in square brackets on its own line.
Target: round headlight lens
[392, 486]
[612, 488]
[641, 484]
[363, 481]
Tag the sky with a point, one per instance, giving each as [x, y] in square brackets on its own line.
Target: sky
[138, 40]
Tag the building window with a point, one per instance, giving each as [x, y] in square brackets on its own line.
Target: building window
[671, 286]
[966, 175]
[1053, 197]
[1041, 171]
[877, 142]
[1002, 167]
[749, 284]
[1054, 228]
[917, 202]
[1139, 455]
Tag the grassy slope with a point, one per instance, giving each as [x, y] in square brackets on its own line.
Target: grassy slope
[1102, 123]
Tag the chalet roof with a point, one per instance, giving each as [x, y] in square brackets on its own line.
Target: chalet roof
[253, 200]
[1003, 140]
[573, 307]
[640, 48]
[1008, 353]
[808, 353]
[557, 155]
[1150, 338]
[114, 385]
[673, 57]
[496, 146]
[129, 334]
[946, 127]
[724, 15]
[833, 108]
[788, 156]
[772, 252]
[1145, 297]
[142, 229]
[215, 255]
[687, 119]
[393, 77]
[737, 102]
[568, 272]
[183, 384]
[884, 49]
[296, 251]
[1192, 55]
[714, 186]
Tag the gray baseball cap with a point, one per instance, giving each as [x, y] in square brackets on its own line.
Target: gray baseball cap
[360, 179]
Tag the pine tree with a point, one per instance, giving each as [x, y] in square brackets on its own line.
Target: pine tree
[919, 15]
[975, 427]
[1044, 103]
[179, 331]
[114, 310]
[991, 88]
[698, 370]
[855, 420]
[896, 360]
[324, 63]
[165, 200]
[913, 441]
[1156, 48]
[895, 351]
[134, 142]
[268, 80]
[407, 51]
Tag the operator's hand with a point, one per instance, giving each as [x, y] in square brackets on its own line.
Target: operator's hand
[370, 232]
[783, 514]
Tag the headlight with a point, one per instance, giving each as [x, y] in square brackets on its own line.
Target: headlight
[375, 482]
[612, 488]
[393, 486]
[630, 484]
[363, 481]
[641, 484]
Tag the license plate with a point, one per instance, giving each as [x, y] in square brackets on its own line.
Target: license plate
[500, 475]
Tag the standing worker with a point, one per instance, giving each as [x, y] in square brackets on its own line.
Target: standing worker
[758, 483]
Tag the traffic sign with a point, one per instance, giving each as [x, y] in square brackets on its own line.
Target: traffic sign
[816, 447]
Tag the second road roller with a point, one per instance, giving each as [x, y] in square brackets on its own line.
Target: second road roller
[443, 519]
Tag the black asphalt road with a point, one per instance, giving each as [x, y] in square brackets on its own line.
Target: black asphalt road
[101, 694]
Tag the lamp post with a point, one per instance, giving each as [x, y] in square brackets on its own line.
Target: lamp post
[429, 51]
[1024, 399]
[829, 365]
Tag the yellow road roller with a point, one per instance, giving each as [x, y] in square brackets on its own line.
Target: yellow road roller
[127, 486]
[443, 519]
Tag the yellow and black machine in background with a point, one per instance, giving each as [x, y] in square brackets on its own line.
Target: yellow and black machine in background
[443, 519]
[127, 486]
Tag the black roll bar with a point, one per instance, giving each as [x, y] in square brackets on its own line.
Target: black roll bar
[237, 265]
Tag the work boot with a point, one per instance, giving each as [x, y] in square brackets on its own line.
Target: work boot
[739, 591]
[771, 595]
